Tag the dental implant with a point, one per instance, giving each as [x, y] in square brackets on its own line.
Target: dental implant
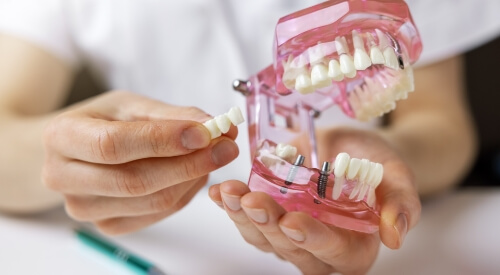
[323, 181]
[293, 171]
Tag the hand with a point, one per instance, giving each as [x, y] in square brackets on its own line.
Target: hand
[317, 248]
[123, 161]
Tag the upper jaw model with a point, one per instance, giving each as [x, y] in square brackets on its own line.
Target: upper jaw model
[353, 54]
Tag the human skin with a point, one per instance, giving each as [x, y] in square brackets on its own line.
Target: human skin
[427, 147]
[33, 85]
[119, 160]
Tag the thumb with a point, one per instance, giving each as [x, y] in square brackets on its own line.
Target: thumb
[401, 206]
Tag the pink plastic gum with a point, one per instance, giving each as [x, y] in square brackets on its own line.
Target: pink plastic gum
[277, 114]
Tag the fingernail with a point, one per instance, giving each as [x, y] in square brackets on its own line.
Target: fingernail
[224, 152]
[258, 215]
[293, 234]
[195, 138]
[402, 227]
[233, 202]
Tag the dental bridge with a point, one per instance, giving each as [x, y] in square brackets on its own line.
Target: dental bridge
[355, 55]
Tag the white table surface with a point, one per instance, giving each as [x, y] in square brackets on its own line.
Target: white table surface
[459, 233]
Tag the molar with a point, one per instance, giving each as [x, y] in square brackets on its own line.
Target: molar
[303, 84]
[285, 151]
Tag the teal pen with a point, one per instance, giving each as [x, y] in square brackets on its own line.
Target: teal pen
[138, 265]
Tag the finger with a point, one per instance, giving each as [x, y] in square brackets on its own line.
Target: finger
[137, 178]
[265, 214]
[215, 195]
[91, 208]
[112, 142]
[231, 192]
[124, 225]
[347, 251]
[401, 206]
[128, 106]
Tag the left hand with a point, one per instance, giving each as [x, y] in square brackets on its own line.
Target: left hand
[317, 248]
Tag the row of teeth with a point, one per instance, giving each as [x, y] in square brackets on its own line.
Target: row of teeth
[222, 123]
[367, 174]
[378, 94]
[297, 76]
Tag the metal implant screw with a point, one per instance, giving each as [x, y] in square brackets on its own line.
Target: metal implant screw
[323, 179]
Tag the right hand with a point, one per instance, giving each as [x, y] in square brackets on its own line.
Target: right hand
[123, 161]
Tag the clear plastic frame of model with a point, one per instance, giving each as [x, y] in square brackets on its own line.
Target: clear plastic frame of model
[355, 55]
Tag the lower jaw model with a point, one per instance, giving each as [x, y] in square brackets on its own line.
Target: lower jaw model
[352, 54]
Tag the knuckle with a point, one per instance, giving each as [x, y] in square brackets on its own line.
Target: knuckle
[131, 181]
[104, 146]
[294, 253]
[162, 201]
[158, 141]
[192, 110]
[187, 169]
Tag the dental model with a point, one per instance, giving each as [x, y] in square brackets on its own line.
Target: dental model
[222, 123]
[351, 54]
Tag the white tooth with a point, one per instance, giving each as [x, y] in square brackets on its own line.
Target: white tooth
[347, 66]
[341, 163]
[357, 40]
[211, 125]
[319, 76]
[363, 170]
[303, 84]
[379, 174]
[334, 70]
[376, 55]
[223, 123]
[235, 115]
[285, 151]
[355, 191]
[316, 54]
[341, 45]
[362, 192]
[361, 60]
[337, 187]
[372, 173]
[383, 41]
[389, 107]
[371, 197]
[353, 168]
[299, 62]
[340, 167]
[391, 59]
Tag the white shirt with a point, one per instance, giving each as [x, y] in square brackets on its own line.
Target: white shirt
[172, 50]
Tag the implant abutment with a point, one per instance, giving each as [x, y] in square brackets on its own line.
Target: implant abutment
[293, 170]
